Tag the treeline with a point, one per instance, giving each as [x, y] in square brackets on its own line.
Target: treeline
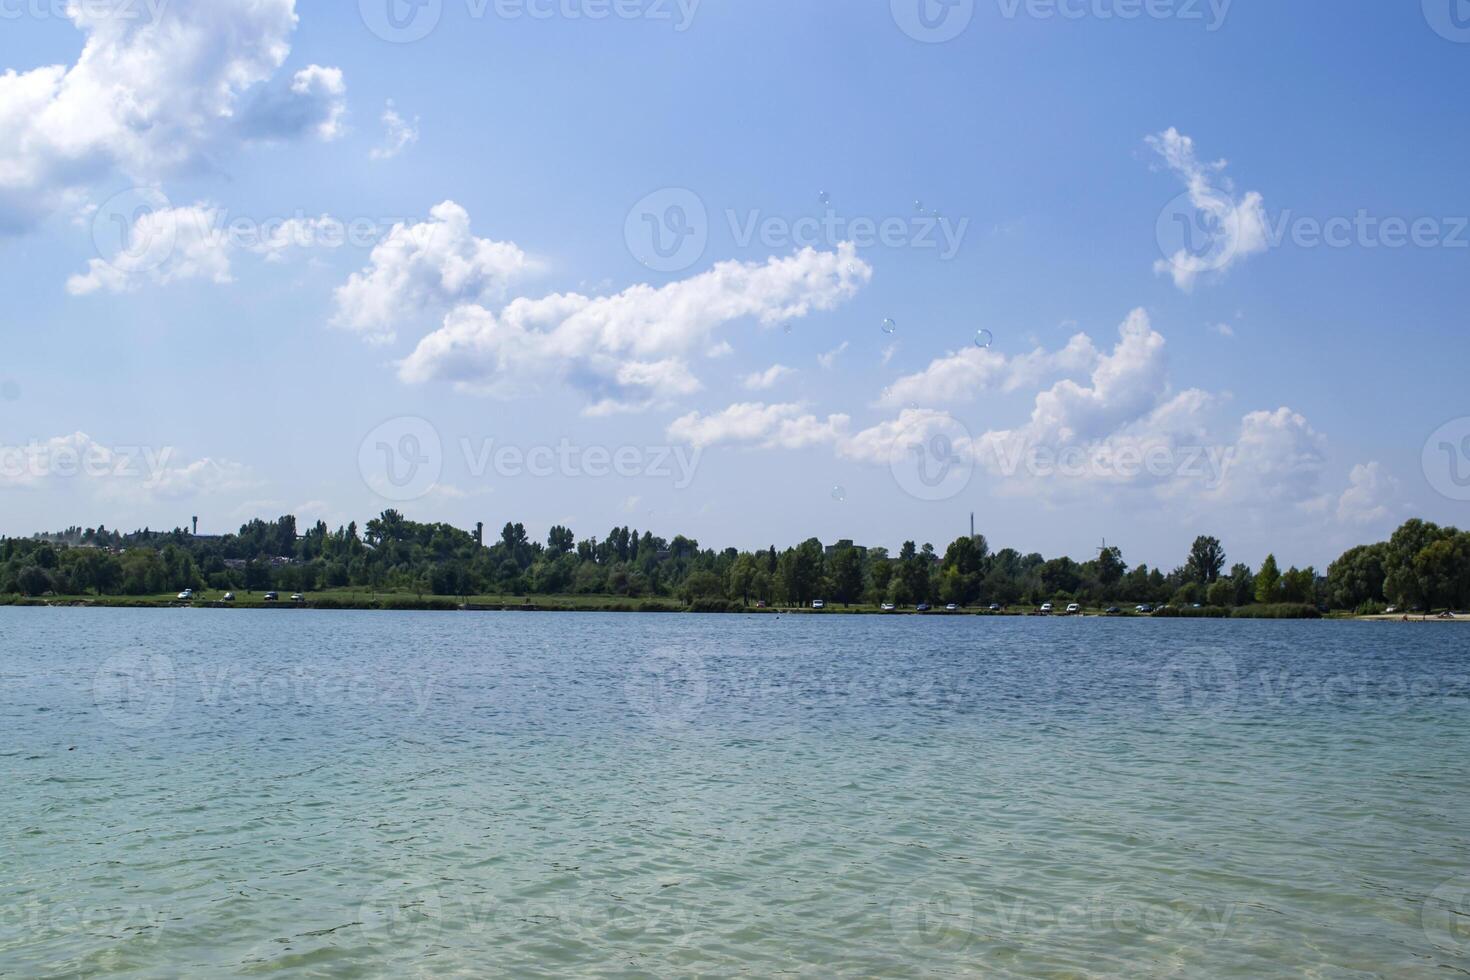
[1421, 565]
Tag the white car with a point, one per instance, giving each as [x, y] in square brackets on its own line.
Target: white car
[1045, 608]
[186, 596]
[951, 608]
[1073, 609]
[229, 597]
[819, 604]
[887, 607]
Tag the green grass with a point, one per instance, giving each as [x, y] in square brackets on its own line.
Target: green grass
[356, 598]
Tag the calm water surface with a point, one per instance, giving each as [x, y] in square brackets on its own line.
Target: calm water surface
[198, 793]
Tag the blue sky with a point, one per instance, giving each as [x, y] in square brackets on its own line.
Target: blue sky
[240, 377]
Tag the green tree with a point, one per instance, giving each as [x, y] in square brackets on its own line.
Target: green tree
[1206, 559]
[1268, 581]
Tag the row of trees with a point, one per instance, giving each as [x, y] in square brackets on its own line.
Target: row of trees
[1421, 565]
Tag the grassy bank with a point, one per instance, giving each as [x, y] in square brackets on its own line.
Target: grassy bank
[355, 599]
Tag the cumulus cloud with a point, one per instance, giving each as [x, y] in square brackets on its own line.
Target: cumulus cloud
[762, 380]
[962, 375]
[783, 426]
[1279, 459]
[314, 104]
[1368, 496]
[398, 134]
[596, 345]
[1223, 229]
[115, 472]
[167, 244]
[163, 246]
[431, 266]
[1121, 427]
[151, 95]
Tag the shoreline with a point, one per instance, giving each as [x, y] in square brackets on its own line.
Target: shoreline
[402, 603]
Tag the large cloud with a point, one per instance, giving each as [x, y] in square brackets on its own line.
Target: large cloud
[425, 268]
[154, 94]
[607, 346]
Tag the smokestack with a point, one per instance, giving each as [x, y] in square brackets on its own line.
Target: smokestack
[972, 525]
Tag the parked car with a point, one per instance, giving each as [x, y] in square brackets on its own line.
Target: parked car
[1391, 610]
[951, 608]
[1046, 608]
[819, 604]
[1113, 610]
[760, 604]
[272, 597]
[923, 607]
[995, 607]
[887, 607]
[186, 596]
[297, 597]
[229, 597]
[1073, 609]
[1143, 608]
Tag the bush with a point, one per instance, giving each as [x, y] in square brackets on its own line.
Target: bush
[657, 607]
[1279, 610]
[715, 606]
[1188, 612]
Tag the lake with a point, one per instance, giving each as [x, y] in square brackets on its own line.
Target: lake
[198, 792]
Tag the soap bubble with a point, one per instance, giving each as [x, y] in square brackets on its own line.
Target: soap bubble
[890, 325]
[839, 494]
[984, 339]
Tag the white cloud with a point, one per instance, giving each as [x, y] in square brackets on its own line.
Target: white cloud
[398, 133]
[314, 104]
[763, 380]
[960, 376]
[829, 359]
[722, 349]
[423, 268]
[1369, 493]
[164, 246]
[1235, 227]
[1279, 459]
[174, 244]
[784, 426]
[602, 346]
[1224, 329]
[135, 473]
[152, 95]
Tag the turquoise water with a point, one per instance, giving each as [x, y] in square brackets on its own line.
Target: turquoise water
[196, 793]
